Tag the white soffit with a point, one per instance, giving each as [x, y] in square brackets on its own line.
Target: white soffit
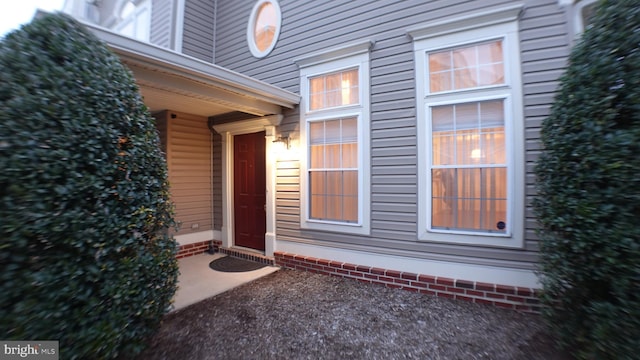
[170, 80]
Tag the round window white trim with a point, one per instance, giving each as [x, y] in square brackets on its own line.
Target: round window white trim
[251, 40]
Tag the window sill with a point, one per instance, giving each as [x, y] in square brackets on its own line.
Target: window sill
[344, 228]
[470, 238]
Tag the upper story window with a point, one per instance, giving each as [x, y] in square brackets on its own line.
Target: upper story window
[135, 19]
[470, 131]
[264, 27]
[334, 124]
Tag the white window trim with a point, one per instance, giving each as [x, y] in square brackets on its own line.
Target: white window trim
[500, 24]
[354, 55]
[178, 30]
[134, 18]
[578, 21]
[251, 40]
[574, 11]
[91, 11]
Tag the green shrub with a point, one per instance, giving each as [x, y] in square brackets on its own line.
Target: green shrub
[588, 183]
[85, 256]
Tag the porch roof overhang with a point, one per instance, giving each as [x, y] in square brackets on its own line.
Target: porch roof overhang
[171, 80]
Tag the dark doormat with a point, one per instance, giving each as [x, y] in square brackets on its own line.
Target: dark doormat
[232, 264]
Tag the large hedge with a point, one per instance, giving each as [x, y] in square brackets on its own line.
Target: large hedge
[85, 256]
[588, 183]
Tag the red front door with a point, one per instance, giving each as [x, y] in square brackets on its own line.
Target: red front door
[249, 176]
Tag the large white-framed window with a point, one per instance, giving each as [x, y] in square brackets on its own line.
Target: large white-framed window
[135, 19]
[470, 130]
[334, 140]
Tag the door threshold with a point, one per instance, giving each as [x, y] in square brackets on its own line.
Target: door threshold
[248, 254]
[247, 250]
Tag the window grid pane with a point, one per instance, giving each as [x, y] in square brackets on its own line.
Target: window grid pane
[469, 199]
[334, 195]
[466, 67]
[469, 172]
[333, 90]
[333, 170]
[468, 134]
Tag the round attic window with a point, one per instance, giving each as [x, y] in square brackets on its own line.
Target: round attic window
[264, 27]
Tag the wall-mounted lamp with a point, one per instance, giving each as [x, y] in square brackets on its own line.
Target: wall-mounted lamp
[284, 138]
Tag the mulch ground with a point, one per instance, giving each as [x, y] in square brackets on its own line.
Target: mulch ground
[299, 315]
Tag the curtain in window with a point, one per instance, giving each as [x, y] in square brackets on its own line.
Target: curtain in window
[333, 170]
[466, 67]
[469, 172]
[332, 90]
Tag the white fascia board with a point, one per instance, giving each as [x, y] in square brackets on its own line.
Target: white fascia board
[172, 62]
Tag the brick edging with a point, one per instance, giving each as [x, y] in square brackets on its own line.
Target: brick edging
[504, 296]
[196, 248]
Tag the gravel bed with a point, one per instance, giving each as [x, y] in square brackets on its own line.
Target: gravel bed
[299, 315]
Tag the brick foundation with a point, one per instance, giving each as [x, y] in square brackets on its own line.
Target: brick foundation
[510, 297]
[196, 248]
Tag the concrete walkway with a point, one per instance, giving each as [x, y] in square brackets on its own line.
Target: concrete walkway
[197, 281]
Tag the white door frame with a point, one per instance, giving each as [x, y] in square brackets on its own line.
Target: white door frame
[227, 131]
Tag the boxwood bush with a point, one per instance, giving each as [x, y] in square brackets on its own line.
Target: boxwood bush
[588, 184]
[85, 255]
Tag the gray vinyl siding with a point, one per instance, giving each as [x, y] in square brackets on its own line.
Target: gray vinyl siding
[545, 45]
[197, 37]
[161, 23]
[309, 27]
[188, 146]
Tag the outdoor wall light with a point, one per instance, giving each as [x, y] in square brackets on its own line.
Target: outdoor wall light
[283, 139]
